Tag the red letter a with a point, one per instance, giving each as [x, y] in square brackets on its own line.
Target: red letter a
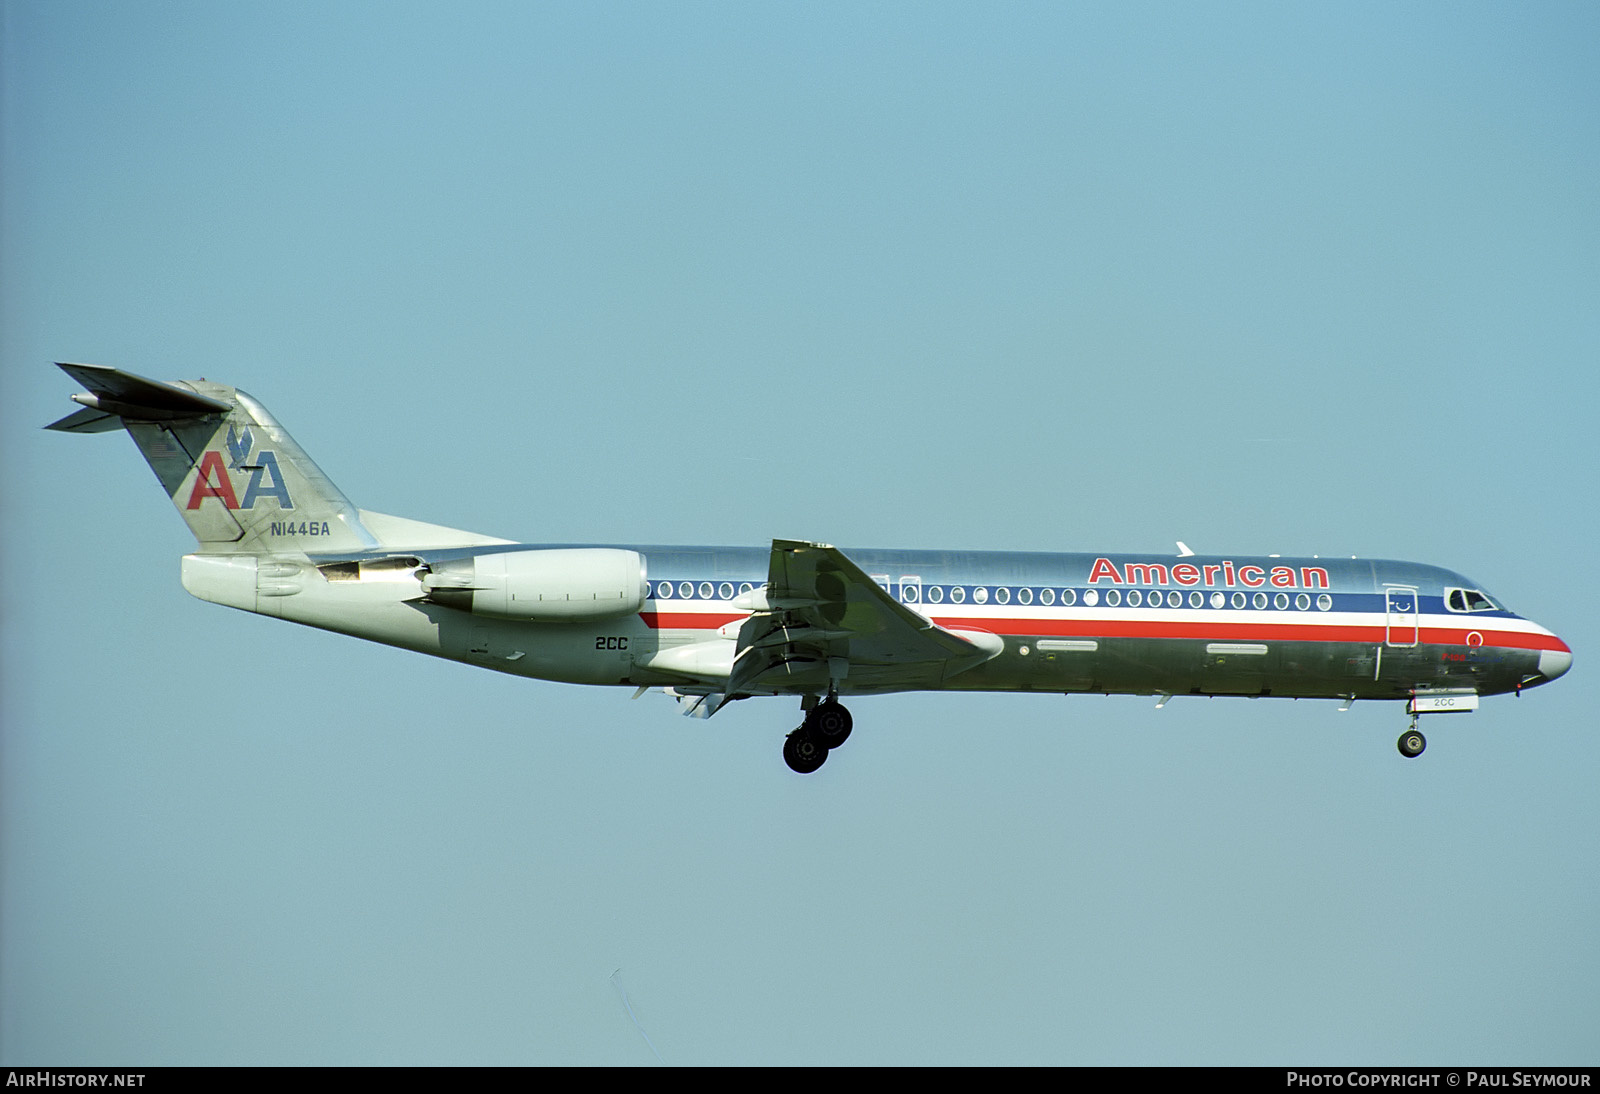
[1104, 569]
[211, 481]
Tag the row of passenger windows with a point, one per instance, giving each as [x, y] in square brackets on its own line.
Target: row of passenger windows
[959, 594]
[688, 590]
[1154, 598]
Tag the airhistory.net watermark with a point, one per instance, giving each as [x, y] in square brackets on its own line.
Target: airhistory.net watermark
[43, 1077]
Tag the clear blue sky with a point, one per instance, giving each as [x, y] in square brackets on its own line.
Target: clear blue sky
[1261, 277]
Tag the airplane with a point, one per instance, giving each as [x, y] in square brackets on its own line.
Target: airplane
[710, 625]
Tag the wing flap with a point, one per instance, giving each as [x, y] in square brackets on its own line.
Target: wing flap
[824, 620]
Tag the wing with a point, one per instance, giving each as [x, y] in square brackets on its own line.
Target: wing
[823, 624]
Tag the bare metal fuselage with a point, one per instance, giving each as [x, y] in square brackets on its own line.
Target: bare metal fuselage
[1329, 628]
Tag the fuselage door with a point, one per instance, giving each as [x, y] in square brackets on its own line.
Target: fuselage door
[1400, 616]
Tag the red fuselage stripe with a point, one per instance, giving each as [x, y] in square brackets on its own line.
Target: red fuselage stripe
[1216, 632]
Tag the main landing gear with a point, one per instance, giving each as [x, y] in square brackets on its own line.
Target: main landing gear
[827, 725]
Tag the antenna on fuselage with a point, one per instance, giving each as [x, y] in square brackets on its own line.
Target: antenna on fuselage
[1183, 549]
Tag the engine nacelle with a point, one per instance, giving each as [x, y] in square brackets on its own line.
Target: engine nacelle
[554, 585]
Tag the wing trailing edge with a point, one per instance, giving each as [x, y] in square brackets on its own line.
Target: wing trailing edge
[823, 621]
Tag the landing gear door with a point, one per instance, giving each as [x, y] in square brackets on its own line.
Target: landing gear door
[1400, 616]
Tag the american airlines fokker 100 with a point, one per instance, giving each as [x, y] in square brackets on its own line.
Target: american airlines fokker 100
[712, 624]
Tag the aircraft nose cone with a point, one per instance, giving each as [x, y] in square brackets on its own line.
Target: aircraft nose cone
[1553, 663]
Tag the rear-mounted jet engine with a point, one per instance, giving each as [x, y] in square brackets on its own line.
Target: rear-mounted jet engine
[554, 585]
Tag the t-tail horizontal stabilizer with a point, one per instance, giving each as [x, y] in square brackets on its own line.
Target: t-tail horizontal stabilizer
[115, 395]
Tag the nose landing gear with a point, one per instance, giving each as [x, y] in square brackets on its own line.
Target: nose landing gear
[1431, 702]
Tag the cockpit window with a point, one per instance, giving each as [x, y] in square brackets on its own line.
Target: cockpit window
[1468, 600]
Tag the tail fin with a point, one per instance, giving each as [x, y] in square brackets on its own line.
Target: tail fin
[235, 475]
